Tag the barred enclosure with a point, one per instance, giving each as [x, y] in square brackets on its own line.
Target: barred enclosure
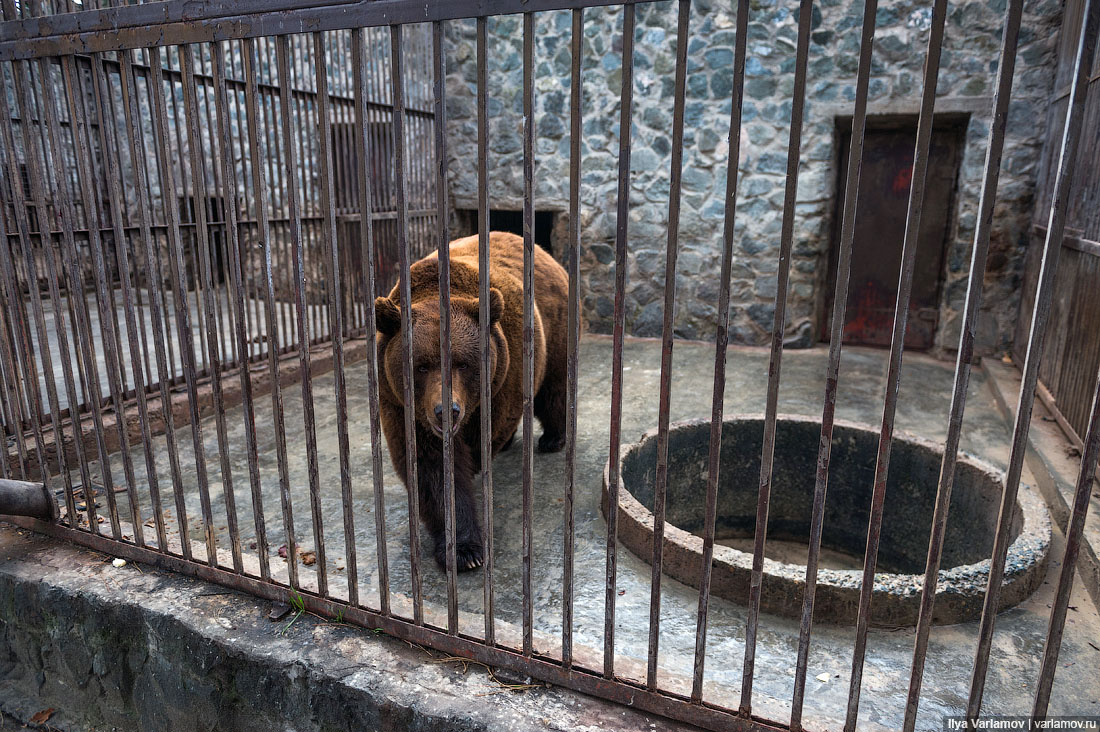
[200, 203]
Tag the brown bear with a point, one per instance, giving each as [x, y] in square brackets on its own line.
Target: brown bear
[506, 316]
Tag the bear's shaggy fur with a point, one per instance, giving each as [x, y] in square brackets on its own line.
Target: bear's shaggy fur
[506, 342]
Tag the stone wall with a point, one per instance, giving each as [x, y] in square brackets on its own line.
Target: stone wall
[966, 85]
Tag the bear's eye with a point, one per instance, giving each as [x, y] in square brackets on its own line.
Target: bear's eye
[460, 366]
[422, 369]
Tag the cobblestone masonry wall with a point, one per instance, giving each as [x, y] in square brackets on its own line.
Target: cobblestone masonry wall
[966, 84]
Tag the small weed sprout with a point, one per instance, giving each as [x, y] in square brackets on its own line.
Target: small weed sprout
[299, 606]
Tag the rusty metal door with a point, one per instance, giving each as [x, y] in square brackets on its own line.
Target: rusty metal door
[880, 229]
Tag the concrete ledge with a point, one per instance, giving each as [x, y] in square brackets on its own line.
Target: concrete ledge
[134, 648]
[289, 373]
[1055, 461]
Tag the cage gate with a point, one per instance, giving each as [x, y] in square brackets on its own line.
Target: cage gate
[200, 203]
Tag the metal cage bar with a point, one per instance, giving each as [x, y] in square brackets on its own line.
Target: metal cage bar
[286, 164]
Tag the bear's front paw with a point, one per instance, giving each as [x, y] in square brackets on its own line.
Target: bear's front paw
[551, 443]
[468, 555]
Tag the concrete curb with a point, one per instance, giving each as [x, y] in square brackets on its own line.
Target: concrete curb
[132, 648]
[1055, 469]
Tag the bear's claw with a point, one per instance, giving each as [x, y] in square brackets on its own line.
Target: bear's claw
[468, 556]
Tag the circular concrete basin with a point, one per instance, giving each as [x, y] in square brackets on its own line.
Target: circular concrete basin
[906, 525]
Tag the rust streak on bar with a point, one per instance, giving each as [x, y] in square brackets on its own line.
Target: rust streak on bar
[366, 238]
[721, 342]
[30, 370]
[802, 53]
[282, 52]
[483, 321]
[774, 368]
[528, 321]
[235, 266]
[575, 91]
[768, 449]
[1076, 526]
[412, 483]
[897, 346]
[965, 355]
[257, 151]
[443, 234]
[664, 407]
[1071, 135]
[199, 196]
[335, 314]
[160, 133]
[622, 209]
[183, 318]
[108, 142]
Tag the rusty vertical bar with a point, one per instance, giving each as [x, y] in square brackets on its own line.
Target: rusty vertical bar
[483, 320]
[1075, 527]
[23, 350]
[366, 238]
[256, 153]
[272, 182]
[132, 116]
[397, 83]
[105, 296]
[11, 318]
[189, 249]
[300, 106]
[224, 134]
[22, 79]
[251, 314]
[336, 315]
[663, 409]
[1071, 135]
[622, 209]
[910, 243]
[443, 234]
[528, 321]
[282, 51]
[568, 530]
[214, 346]
[10, 408]
[183, 315]
[965, 355]
[11, 405]
[779, 323]
[106, 115]
[216, 325]
[140, 307]
[23, 347]
[154, 265]
[824, 449]
[721, 343]
[52, 271]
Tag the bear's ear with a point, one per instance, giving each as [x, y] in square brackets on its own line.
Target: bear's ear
[472, 305]
[387, 316]
[496, 305]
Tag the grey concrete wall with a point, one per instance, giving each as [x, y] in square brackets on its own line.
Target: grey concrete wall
[965, 85]
[135, 648]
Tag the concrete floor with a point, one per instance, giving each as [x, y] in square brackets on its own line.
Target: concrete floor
[923, 408]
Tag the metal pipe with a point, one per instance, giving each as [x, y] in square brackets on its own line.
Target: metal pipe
[22, 498]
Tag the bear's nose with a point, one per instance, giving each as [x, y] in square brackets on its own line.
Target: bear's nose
[455, 410]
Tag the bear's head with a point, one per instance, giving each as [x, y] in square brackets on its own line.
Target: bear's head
[427, 365]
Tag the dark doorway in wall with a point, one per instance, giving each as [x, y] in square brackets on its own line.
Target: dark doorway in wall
[880, 229]
[503, 220]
